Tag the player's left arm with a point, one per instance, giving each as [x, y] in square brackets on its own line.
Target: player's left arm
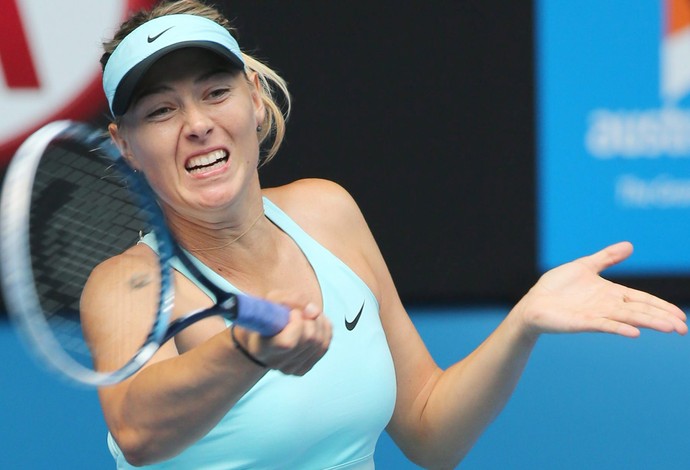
[440, 414]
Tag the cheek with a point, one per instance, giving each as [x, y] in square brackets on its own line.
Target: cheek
[150, 151]
[241, 126]
[150, 157]
[242, 122]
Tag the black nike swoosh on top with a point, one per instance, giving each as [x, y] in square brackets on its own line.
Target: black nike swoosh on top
[350, 325]
[150, 39]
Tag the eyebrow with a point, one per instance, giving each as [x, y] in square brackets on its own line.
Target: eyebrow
[152, 90]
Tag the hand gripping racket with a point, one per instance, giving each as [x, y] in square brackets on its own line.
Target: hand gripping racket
[69, 202]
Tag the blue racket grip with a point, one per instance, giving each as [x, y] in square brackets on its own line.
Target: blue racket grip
[260, 315]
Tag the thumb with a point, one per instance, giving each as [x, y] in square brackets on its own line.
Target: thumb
[609, 256]
[311, 311]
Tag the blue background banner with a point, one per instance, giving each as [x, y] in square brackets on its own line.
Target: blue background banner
[613, 138]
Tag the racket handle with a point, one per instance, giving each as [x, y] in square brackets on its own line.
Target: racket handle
[260, 315]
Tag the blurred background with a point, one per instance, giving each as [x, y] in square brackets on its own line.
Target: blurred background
[485, 144]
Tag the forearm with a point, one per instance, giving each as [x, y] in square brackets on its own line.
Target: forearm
[171, 404]
[462, 401]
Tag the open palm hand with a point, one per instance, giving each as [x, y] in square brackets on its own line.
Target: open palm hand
[575, 298]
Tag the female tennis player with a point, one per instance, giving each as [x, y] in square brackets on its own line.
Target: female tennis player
[197, 117]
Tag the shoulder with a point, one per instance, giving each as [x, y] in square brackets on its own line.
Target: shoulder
[313, 192]
[136, 258]
[135, 268]
[317, 204]
[327, 212]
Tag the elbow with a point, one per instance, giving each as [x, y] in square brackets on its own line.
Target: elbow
[136, 458]
[132, 449]
[434, 453]
[136, 448]
[436, 461]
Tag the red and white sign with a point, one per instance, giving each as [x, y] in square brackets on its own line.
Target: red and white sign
[49, 62]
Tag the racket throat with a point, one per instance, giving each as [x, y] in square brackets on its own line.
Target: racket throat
[228, 307]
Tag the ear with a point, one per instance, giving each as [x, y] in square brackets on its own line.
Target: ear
[122, 144]
[257, 98]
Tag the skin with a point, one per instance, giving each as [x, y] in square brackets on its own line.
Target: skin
[438, 414]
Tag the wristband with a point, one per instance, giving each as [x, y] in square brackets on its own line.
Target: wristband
[241, 349]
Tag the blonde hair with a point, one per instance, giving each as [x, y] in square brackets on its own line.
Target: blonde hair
[273, 127]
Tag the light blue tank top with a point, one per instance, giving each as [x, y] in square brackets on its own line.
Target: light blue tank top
[331, 417]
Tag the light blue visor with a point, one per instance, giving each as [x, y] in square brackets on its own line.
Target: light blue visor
[141, 48]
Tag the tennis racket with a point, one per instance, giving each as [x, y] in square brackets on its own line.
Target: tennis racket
[69, 202]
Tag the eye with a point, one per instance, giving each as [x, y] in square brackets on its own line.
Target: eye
[218, 94]
[159, 113]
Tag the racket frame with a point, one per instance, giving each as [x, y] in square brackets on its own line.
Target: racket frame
[16, 273]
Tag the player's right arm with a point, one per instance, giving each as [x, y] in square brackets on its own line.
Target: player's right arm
[171, 402]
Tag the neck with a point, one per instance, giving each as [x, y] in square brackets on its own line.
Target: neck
[244, 257]
[231, 240]
[217, 230]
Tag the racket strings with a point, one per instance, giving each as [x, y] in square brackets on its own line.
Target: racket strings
[81, 214]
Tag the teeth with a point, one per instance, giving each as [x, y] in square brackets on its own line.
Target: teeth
[202, 162]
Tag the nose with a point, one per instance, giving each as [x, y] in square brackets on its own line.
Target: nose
[198, 125]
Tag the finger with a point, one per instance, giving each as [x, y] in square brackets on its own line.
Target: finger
[306, 355]
[633, 295]
[644, 318]
[649, 317]
[637, 315]
[317, 347]
[300, 335]
[609, 256]
[307, 322]
[311, 311]
[317, 333]
[607, 325]
[302, 363]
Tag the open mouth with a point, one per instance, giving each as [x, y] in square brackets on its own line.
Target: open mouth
[208, 162]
